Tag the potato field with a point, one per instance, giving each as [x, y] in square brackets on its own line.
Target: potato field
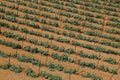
[59, 39]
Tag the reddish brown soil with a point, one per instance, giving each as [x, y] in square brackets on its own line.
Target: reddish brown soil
[20, 76]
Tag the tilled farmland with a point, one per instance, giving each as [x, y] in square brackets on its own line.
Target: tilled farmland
[59, 39]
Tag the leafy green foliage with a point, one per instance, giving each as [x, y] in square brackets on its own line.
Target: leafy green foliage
[62, 57]
[15, 36]
[10, 44]
[31, 49]
[5, 66]
[84, 55]
[58, 67]
[106, 69]
[70, 71]
[16, 68]
[50, 76]
[92, 76]
[29, 72]
[110, 60]
[86, 64]
[60, 39]
[28, 59]
[3, 54]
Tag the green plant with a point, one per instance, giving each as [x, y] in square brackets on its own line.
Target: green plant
[67, 27]
[50, 76]
[84, 55]
[62, 49]
[5, 66]
[69, 50]
[62, 57]
[27, 48]
[86, 64]
[3, 54]
[16, 68]
[107, 69]
[47, 36]
[60, 39]
[70, 71]
[15, 36]
[32, 24]
[59, 67]
[92, 76]
[29, 72]
[10, 18]
[53, 23]
[43, 21]
[110, 60]
[54, 47]
[43, 52]
[10, 44]
[51, 65]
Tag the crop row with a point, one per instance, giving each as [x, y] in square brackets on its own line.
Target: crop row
[24, 58]
[12, 35]
[94, 3]
[55, 47]
[92, 76]
[34, 11]
[88, 8]
[92, 33]
[29, 71]
[50, 65]
[30, 59]
[86, 13]
[10, 44]
[115, 24]
[32, 24]
[66, 58]
[74, 11]
[99, 48]
[54, 55]
[88, 25]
